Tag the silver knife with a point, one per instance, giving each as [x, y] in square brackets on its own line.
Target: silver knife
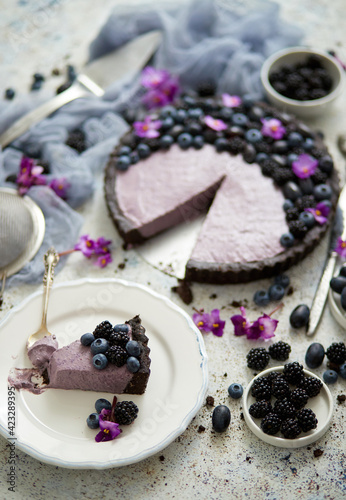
[321, 294]
[105, 70]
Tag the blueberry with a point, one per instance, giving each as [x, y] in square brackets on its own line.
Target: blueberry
[338, 283]
[280, 147]
[306, 185]
[342, 271]
[99, 346]
[101, 404]
[93, 421]
[226, 113]
[282, 279]
[248, 101]
[343, 299]
[180, 116]
[308, 144]
[287, 205]
[342, 371]
[71, 73]
[295, 139]
[168, 111]
[260, 157]
[291, 191]
[143, 150]
[235, 391]
[9, 94]
[221, 418]
[124, 150]
[133, 348]
[189, 100]
[261, 298]
[100, 361]
[323, 192]
[281, 160]
[314, 355]
[287, 240]
[249, 153]
[38, 77]
[221, 144]
[132, 364]
[276, 292]
[87, 339]
[291, 158]
[307, 218]
[166, 141]
[134, 157]
[123, 162]
[300, 316]
[167, 123]
[239, 119]
[253, 135]
[330, 376]
[195, 113]
[193, 128]
[198, 142]
[36, 85]
[121, 327]
[184, 140]
[326, 164]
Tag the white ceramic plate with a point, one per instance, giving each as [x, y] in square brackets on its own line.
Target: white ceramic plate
[321, 405]
[52, 426]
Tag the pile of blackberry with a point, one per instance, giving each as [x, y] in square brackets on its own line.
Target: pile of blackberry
[304, 81]
[258, 357]
[287, 413]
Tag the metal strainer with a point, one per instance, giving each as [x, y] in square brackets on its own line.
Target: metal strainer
[22, 228]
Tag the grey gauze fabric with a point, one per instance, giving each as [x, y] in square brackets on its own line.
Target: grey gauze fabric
[220, 42]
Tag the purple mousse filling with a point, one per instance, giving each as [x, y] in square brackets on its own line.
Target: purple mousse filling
[41, 352]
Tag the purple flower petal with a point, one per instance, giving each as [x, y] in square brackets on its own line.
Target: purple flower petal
[147, 128]
[104, 260]
[320, 212]
[108, 430]
[86, 245]
[152, 78]
[341, 248]
[273, 127]
[263, 328]
[29, 175]
[217, 325]
[214, 123]
[304, 166]
[231, 101]
[102, 246]
[240, 322]
[60, 187]
[155, 99]
[202, 321]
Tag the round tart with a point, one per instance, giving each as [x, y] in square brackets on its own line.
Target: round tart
[253, 171]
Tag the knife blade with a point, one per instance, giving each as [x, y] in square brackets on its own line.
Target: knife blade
[96, 76]
[321, 294]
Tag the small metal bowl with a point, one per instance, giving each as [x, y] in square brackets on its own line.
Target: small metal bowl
[303, 109]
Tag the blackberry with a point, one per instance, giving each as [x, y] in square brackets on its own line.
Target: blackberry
[290, 428]
[260, 409]
[262, 147]
[336, 353]
[299, 397]
[268, 167]
[271, 377]
[305, 201]
[298, 229]
[117, 355]
[257, 358]
[307, 419]
[292, 214]
[119, 338]
[125, 412]
[293, 372]
[317, 153]
[311, 385]
[283, 175]
[271, 424]
[319, 177]
[261, 389]
[284, 408]
[280, 351]
[236, 144]
[280, 388]
[206, 89]
[103, 330]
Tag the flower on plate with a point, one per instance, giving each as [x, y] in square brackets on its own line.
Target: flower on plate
[85, 245]
[341, 248]
[162, 87]
[108, 430]
[240, 322]
[231, 101]
[263, 328]
[320, 212]
[212, 322]
[60, 187]
[304, 166]
[103, 260]
[29, 175]
[272, 127]
[148, 128]
[215, 123]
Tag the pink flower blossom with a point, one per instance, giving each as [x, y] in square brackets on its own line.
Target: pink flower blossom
[147, 128]
[152, 78]
[231, 101]
[85, 245]
[341, 248]
[29, 175]
[214, 123]
[273, 127]
[202, 321]
[209, 322]
[320, 212]
[162, 87]
[101, 246]
[104, 260]
[108, 430]
[304, 166]
[263, 328]
[240, 322]
[60, 187]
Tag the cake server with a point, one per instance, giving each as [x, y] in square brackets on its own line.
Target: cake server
[95, 77]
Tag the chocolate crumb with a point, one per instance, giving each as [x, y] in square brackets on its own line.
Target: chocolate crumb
[225, 374]
[289, 290]
[341, 398]
[161, 457]
[318, 453]
[213, 296]
[121, 265]
[200, 429]
[210, 401]
[55, 71]
[248, 459]
[333, 366]
[236, 303]
[184, 291]
[242, 416]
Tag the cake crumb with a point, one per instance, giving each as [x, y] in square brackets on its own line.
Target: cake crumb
[318, 453]
[200, 429]
[184, 291]
[213, 296]
[341, 398]
[242, 416]
[210, 401]
[161, 457]
[121, 265]
[290, 290]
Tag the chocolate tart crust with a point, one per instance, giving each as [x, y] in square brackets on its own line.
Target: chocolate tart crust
[139, 381]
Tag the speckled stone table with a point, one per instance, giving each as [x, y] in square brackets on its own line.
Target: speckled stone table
[45, 34]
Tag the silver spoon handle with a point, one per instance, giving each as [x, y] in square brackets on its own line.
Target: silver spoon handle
[51, 258]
